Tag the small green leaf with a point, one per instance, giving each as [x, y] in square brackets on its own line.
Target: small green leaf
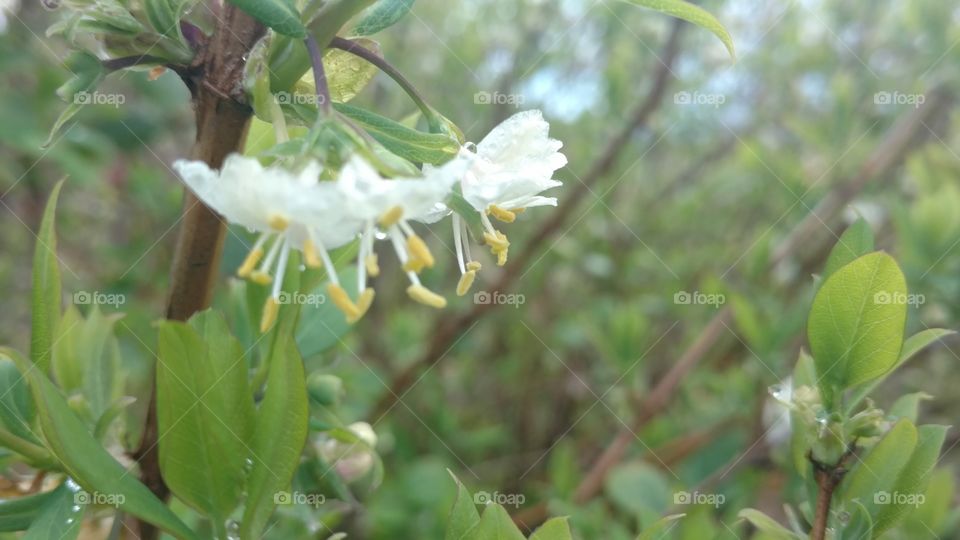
[877, 472]
[920, 341]
[205, 410]
[908, 406]
[16, 406]
[855, 242]
[913, 479]
[859, 526]
[281, 432]
[554, 529]
[410, 144]
[856, 323]
[382, 15]
[463, 516]
[693, 14]
[347, 73]
[61, 518]
[495, 524]
[45, 316]
[87, 74]
[767, 525]
[280, 15]
[660, 527]
[88, 463]
[19, 513]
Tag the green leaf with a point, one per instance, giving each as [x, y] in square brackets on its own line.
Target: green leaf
[16, 407]
[877, 472]
[855, 242]
[205, 410]
[19, 513]
[913, 479]
[383, 14]
[658, 530]
[495, 524]
[463, 516]
[908, 406]
[410, 144]
[87, 74]
[693, 14]
[347, 73]
[45, 316]
[859, 526]
[767, 525]
[61, 518]
[856, 323]
[280, 15]
[86, 357]
[638, 488]
[88, 463]
[281, 432]
[322, 325]
[554, 529]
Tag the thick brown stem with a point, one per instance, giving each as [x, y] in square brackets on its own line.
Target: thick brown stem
[222, 120]
[828, 480]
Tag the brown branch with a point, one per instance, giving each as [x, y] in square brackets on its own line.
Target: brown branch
[448, 329]
[222, 118]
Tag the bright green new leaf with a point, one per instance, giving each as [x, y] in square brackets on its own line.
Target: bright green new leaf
[495, 524]
[86, 357]
[88, 463]
[60, 519]
[856, 323]
[554, 529]
[413, 145]
[279, 437]
[659, 528]
[18, 514]
[205, 410]
[347, 73]
[693, 14]
[87, 74]
[463, 516]
[16, 406]
[767, 525]
[855, 242]
[382, 15]
[878, 471]
[280, 15]
[45, 316]
[908, 406]
[912, 482]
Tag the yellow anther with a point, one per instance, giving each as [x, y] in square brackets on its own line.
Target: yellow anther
[473, 265]
[466, 281]
[372, 265]
[261, 278]
[496, 240]
[501, 257]
[391, 217]
[363, 304]
[270, 310]
[413, 265]
[418, 250]
[504, 215]
[342, 300]
[278, 223]
[519, 210]
[250, 263]
[426, 297]
[310, 255]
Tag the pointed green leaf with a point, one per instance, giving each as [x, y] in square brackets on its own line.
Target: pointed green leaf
[463, 516]
[382, 15]
[692, 14]
[19, 513]
[859, 526]
[660, 527]
[281, 432]
[855, 242]
[495, 524]
[920, 341]
[908, 492]
[856, 323]
[87, 74]
[877, 472]
[908, 406]
[280, 15]
[205, 410]
[554, 529]
[767, 525]
[46, 286]
[410, 144]
[347, 73]
[60, 519]
[16, 406]
[88, 463]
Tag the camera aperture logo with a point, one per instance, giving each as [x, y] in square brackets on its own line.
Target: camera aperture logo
[699, 98]
[97, 298]
[899, 98]
[715, 500]
[503, 499]
[301, 299]
[100, 499]
[498, 98]
[886, 298]
[901, 499]
[299, 498]
[296, 98]
[98, 98]
[498, 298]
[697, 298]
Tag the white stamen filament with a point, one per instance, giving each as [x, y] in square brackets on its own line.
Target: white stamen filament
[325, 257]
[281, 268]
[396, 238]
[271, 256]
[466, 237]
[366, 247]
[458, 243]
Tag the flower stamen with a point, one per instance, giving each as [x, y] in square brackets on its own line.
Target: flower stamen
[504, 215]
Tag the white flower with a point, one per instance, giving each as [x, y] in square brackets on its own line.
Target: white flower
[507, 172]
[390, 204]
[290, 209]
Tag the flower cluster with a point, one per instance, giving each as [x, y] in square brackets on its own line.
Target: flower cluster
[293, 209]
